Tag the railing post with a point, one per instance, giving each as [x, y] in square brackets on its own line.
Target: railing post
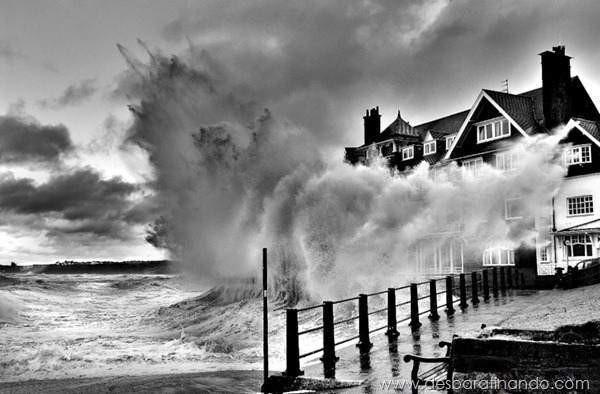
[502, 280]
[433, 312]
[292, 344]
[364, 342]
[449, 295]
[414, 307]
[392, 330]
[486, 285]
[495, 281]
[509, 281]
[329, 359]
[474, 290]
[463, 291]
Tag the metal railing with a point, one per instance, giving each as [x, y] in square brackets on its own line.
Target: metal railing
[410, 295]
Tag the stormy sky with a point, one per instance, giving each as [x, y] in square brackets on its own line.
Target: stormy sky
[73, 187]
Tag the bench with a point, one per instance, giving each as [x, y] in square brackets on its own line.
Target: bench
[438, 376]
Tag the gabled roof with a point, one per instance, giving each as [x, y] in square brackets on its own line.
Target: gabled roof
[519, 108]
[587, 127]
[508, 104]
[398, 127]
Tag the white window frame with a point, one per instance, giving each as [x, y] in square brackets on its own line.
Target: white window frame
[408, 152]
[545, 254]
[580, 205]
[508, 214]
[429, 147]
[578, 154]
[473, 165]
[450, 140]
[579, 239]
[507, 161]
[493, 129]
[492, 256]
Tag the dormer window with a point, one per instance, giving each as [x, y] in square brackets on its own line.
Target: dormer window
[449, 141]
[579, 154]
[429, 147]
[492, 129]
[408, 153]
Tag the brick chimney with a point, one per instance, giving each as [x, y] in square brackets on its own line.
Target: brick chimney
[556, 86]
[372, 125]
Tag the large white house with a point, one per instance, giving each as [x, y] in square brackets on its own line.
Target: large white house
[568, 230]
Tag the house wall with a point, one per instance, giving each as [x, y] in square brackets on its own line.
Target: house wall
[572, 187]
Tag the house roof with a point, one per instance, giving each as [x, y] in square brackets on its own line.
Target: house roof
[518, 108]
[399, 127]
[447, 125]
[593, 128]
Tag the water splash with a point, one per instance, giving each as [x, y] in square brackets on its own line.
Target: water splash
[233, 179]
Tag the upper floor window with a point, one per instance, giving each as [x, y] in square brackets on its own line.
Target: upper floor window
[449, 141]
[513, 207]
[492, 129]
[429, 147]
[473, 165]
[580, 205]
[578, 154]
[408, 153]
[507, 161]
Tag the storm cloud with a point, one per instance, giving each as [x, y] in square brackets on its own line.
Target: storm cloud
[76, 202]
[25, 140]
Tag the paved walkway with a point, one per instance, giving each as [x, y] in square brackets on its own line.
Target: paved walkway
[384, 362]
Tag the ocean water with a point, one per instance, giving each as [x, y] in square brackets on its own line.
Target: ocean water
[62, 326]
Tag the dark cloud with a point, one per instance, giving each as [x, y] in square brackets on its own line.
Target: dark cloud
[321, 64]
[76, 202]
[75, 94]
[24, 140]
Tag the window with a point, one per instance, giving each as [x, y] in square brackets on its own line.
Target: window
[429, 147]
[579, 245]
[450, 141]
[498, 255]
[544, 254]
[581, 205]
[513, 208]
[578, 154]
[473, 165]
[408, 153]
[492, 130]
[507, 161]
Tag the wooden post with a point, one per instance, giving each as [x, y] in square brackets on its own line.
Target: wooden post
[329, 359]
[449, 295]
[292, 356]
[486, 285]
[502, 280]
[414, 307]
[509, 280]
[364, 342]
[463, 291]
[433, 312]
[474, 290]
[392, 330]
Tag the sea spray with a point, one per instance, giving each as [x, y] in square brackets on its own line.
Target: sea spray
[233, 179]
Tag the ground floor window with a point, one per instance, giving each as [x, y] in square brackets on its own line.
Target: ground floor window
[498, 255]
[579, 245]
[544, 254]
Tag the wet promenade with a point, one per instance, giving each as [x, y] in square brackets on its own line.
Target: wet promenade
[384, 361]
